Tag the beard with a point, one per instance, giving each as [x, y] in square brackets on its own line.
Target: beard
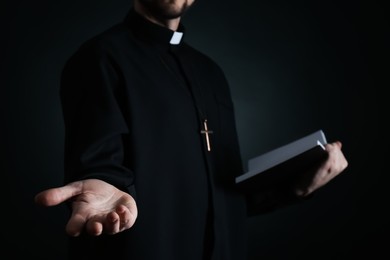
[166, 9]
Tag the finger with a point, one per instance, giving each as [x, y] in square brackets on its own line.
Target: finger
[75, 225]
[337, 144]
[94, 227]
[112, 223]
[55, 196]
[127, 217]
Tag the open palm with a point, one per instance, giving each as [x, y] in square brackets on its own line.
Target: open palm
[97, 207]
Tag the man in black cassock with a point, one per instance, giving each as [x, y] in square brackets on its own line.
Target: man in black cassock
[151, 149]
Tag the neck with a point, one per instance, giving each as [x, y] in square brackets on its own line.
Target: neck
[172, 24]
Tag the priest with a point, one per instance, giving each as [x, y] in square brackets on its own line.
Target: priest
[151, 147]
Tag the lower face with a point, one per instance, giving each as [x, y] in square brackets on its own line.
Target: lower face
[167, 9]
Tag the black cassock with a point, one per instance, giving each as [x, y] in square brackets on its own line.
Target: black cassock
[134, 106]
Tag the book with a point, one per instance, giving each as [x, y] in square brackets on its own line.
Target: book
[284, 163]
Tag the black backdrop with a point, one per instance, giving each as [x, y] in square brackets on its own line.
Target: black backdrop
[293, 66]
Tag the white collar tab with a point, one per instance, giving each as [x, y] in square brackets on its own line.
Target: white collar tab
[176, 38]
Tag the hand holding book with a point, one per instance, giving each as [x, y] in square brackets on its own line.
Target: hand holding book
[304, 165]
[334, 164]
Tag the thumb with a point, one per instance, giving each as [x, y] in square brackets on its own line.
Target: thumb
[55, 196]
[340, 144]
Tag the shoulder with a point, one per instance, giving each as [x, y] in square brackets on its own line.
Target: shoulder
[106, 44]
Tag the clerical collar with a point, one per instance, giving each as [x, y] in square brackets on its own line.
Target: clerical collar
[151, 32]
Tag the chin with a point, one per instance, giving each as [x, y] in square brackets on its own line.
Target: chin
[166, 9]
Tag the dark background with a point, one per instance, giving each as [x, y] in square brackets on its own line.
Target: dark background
[294, 67]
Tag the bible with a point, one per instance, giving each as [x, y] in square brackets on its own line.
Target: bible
[284, 163]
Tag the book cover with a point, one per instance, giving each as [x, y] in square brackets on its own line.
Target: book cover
[282, 164]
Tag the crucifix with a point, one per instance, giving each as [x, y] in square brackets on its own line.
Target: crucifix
[206, 132]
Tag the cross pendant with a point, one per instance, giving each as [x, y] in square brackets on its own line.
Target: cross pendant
[206, 132]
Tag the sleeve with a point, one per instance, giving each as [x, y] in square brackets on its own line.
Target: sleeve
[95, 128]
[269, 200]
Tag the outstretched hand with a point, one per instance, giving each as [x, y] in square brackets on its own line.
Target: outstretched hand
[329, 169]
[97, 207]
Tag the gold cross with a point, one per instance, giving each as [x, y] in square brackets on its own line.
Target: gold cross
[206, 132]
